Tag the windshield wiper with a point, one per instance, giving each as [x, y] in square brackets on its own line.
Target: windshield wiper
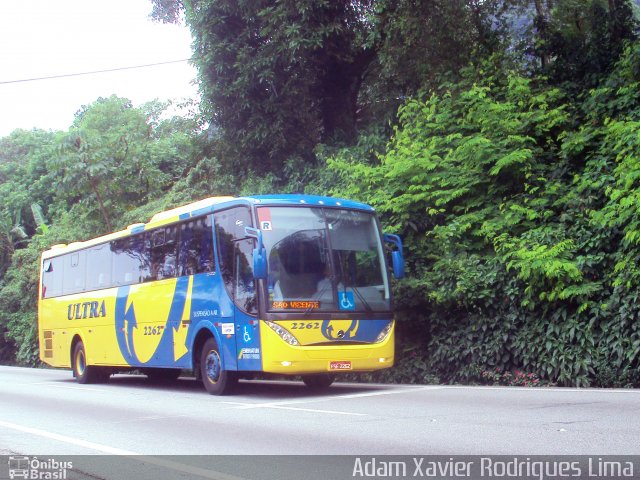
[344, 277]
[367, 307]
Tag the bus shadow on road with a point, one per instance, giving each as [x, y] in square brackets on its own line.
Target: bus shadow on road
[255, 389]
[279, 390]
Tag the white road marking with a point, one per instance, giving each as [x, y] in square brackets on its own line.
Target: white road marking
[55, 385]
[286, 404]
[179, 467]
[283, 406]
[73, 387]
[65, 439]
[332, 412]
[151, 417]
[233, 403]
[385, 392]
[339, 397]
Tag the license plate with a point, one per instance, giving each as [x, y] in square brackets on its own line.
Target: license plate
[344, 365]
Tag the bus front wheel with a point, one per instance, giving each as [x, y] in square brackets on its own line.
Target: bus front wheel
[215, 379]
[320, 381]
[85, 373]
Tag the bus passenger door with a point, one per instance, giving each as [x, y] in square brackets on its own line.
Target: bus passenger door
[247, 325]
[236, 267]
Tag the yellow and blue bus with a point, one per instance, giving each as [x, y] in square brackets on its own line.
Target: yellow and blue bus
[226, 287]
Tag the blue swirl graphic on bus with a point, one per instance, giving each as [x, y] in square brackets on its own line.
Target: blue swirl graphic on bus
[331, 333]
[125, 323]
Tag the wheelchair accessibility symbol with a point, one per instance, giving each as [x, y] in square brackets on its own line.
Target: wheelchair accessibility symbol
[347, 301]
[246, 336]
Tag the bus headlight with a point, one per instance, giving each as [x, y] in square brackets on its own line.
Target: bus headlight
[282, 332]
[384, 333]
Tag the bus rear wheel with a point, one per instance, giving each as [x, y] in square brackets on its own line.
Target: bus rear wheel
[86, 373]
[320, 381]
[215, 379]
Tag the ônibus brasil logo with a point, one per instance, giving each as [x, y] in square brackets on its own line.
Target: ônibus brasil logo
[37, 469]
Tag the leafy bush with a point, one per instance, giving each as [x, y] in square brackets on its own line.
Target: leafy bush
[519, 208]
[510, 379]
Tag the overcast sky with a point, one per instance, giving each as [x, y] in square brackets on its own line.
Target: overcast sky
[41, 38]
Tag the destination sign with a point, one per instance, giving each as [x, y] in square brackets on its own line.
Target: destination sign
[295, 305]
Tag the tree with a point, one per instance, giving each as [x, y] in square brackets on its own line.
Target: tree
[422, 41]
[278, 78]
[25, 178]
[106, 161]
[116, 165]
[519, 206]
[281, 77]
[25, 181]
[579, 41]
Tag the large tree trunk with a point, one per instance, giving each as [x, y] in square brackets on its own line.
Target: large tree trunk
[103, 210]
[340, 86]
[543, 16]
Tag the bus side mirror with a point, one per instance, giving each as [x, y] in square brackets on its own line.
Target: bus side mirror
[260, 271]
[260, 263]
[397, 257]
[398, 264]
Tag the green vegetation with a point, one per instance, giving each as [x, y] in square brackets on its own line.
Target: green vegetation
[499, 138]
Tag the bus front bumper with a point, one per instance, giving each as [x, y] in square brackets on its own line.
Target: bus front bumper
[281, 357]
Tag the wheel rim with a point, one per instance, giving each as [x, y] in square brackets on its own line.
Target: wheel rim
[212, 366]
[80, 363]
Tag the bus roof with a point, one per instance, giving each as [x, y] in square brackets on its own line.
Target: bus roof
[315, 200]
[209, 205]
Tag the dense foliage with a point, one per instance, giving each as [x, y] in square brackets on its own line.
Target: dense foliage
[115, 165]
[278, 78]
[498, 138]
[519, 210]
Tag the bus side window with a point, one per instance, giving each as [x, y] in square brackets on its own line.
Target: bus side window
[119, 261]
[225, 249]
[52, 277]
[244, 282]
[235, 254]
[196, 247]
[163, 253]
[207, 263]
[131, 262]
[99, 267]
[74, 273]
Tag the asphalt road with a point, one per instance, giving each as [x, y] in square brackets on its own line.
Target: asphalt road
[44, 413]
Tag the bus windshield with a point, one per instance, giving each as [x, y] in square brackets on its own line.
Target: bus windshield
[324, 259]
